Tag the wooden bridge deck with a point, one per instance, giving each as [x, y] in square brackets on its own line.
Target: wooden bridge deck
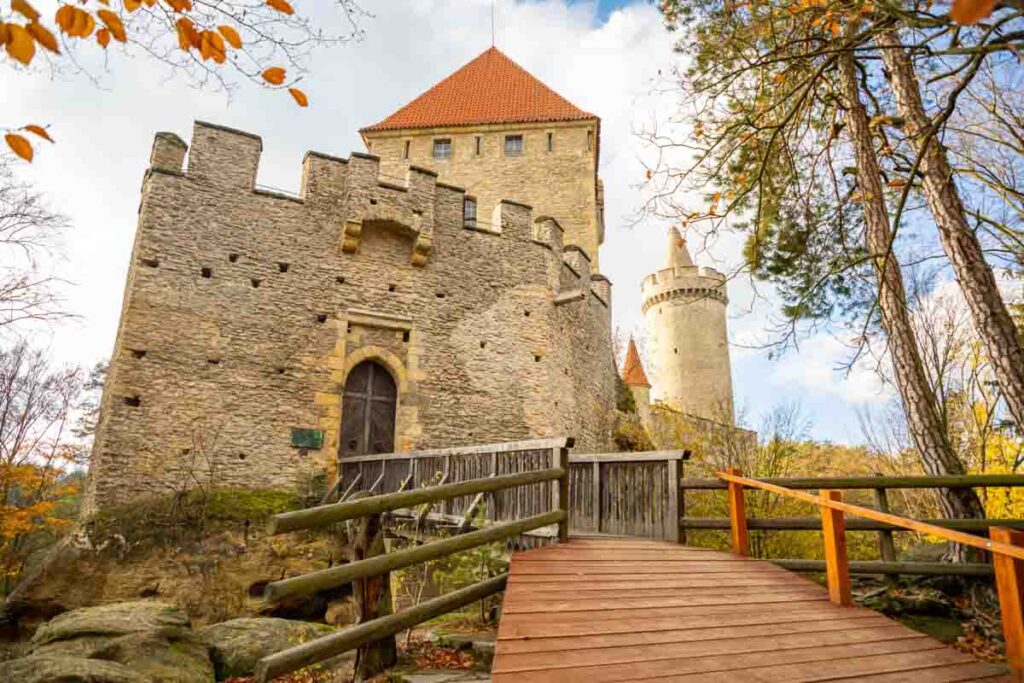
[606, 609]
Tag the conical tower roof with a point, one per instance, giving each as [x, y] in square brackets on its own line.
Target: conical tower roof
[678, 254]
[490, 89]
[633, 369]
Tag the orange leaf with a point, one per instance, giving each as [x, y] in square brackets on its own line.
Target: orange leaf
[180, 5]
[897, 182]
[281, 6]
[43, 36]
[132, 5]
[24, 9]
[971, 11]
[274, 75]
[65, 17]
[113, 22]
[19, 145]
[83, 24]
[103, 38]
[299, 96]
[20, 46]
[231, 35]
[38, 130]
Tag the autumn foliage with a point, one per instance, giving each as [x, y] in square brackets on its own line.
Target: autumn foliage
[241, 35]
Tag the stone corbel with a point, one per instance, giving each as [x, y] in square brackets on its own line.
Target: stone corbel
[350, 236]
[421, 249]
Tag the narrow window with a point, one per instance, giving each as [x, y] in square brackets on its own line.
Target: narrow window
[469, 212]
[405, 154]
[513, 145]
[443, 148]
[479, 145]
[551, 142]
[590, 140]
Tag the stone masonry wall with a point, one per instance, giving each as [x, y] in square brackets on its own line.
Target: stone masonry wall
[560, 182]
[244, 311]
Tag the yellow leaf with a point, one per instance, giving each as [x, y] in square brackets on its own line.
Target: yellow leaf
[24, 9]
[20, 46]
[274, 75]
[231, 35]
[43, 36]
[971, 11]
[19, 145]
[779, 78]
[38, 130]
[103, 38]
[281, 6]
[113, 22]
[299, 96]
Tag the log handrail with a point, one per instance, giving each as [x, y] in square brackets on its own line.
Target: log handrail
[874, 482]
[1006, 546]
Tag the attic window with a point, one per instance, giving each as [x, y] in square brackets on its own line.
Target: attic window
[479, 145]
[405, 152]
[469, 211]
[513, 145]
[551, 141]
[443, 148]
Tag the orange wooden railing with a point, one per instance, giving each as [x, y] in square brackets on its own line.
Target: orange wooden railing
[1006, 546]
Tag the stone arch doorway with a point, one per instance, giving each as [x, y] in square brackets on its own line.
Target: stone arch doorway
[368, 410]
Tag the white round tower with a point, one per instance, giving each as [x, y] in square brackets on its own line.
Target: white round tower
[687, 341]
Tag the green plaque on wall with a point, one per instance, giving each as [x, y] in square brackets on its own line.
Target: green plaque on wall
[312, 439]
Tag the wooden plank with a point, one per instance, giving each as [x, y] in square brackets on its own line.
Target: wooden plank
[651, 567]
[658, 582]
[738, 516]
[1010, 585]
[516, 604]
[586, 595]
[768, 663]
[635, 456]
[837, 563]
[642, 654]
[556, 553]
[697, 630]
[658, 612]
[947, 673]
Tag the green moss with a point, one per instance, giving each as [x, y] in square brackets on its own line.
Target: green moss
[945, 629]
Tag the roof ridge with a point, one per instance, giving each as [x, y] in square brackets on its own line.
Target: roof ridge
[490, 88]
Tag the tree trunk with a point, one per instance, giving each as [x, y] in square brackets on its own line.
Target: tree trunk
[992, 320]
[372, 596]
[923, 419]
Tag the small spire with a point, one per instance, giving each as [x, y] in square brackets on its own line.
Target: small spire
[678, 254]
[633, 369]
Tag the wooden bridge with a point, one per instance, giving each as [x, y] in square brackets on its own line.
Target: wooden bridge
[612, 608]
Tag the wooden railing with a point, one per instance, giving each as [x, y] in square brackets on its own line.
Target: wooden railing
[1005, 544]
[879, 485]
[369, 572]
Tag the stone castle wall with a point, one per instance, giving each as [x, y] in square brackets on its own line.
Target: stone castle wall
[687, 341]
[560, 181]
[244, 311]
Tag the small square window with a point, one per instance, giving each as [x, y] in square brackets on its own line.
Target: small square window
[513, 145]
[469, 211]
[443, 148]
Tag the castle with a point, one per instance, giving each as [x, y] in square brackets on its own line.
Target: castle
[441, 290]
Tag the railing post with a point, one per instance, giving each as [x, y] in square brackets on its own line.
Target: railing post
[837, 564]
[372, 597]
[1010, 585]
[672, 509]
[560, 490]
[595, 495]
[738, 515]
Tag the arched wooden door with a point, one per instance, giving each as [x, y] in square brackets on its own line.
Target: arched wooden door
[368, 411]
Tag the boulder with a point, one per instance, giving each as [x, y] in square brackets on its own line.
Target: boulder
[237, 645]
[117, 619]
[56, 669]
[161, 659]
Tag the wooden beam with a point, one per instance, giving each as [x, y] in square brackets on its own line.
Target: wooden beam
[325, 579]
[814, 483]
[510, 447]
[1010, 584]
[352, 637]
[909, 568]
[351, 487]
[635, 456]
[338, 512]
[837, 564]
[738, 516]
[977, 526]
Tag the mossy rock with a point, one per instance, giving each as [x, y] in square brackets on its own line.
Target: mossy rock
[116, 619]
[162, 660]
[57, 669]
[236, 646]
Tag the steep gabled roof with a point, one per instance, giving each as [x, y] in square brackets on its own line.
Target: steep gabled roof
[490, 89]
[632, 369]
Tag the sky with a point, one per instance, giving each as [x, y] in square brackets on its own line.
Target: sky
[607, 57]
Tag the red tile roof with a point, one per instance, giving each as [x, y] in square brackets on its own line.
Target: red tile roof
[490, 89]
[632, 369]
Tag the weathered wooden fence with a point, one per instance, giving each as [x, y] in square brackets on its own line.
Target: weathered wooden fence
[627, 494]
[543, 475]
